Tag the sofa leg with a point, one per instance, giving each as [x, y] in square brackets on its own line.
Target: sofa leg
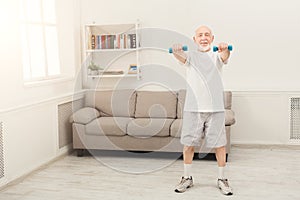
[80, 152]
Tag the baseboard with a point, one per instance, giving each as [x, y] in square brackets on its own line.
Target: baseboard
[68, 149]
[62, 154]
[266, 146]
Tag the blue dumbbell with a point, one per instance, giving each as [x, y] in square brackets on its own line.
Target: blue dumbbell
[215, 48]
[184, 48]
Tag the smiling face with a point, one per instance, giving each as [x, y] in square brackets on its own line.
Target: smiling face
[203, 38]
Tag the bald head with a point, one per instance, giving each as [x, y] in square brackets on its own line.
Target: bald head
[203, 38]
[203, 28]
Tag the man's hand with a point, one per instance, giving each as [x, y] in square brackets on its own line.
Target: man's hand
[179, 53]
[224, 52]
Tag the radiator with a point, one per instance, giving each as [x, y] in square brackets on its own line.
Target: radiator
[65, 110]
[295, 118]
[1, 151]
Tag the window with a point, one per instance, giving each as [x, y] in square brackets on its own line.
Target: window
[40, 55]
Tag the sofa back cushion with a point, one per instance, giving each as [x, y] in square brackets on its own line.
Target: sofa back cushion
[181, 99]
[119, 103]
[156, 104]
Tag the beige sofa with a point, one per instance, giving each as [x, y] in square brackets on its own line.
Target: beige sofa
[135, 121]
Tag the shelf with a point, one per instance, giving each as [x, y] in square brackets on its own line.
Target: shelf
[112, 46]
[113, 76]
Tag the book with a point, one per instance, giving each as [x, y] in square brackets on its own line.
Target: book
[103, 43]
[117, 41]
[124, 38]
[93, 41]
[98, 42]
[132, 40]
[112, 41]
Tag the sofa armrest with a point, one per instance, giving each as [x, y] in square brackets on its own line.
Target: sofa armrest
[84, 115]
[229, 117]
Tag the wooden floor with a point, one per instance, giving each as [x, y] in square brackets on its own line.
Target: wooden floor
[254, 173]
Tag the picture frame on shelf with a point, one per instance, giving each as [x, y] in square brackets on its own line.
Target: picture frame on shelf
[132, 69]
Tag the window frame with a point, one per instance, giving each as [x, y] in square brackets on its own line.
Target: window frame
[43, 25]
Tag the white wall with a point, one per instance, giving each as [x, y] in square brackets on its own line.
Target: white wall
[11, 74]
[265, 34]
[29, 113]
[30, 138]
[263, 71]
[262, 117]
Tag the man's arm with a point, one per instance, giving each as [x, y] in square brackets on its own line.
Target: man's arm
[179, 53]
[224, 52]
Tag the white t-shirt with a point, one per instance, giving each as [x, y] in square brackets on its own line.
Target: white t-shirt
[204, 82]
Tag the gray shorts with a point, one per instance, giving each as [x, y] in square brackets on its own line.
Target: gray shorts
[207, 126]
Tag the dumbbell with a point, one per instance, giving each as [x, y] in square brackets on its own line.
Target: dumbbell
[184, 48]
[215, 48]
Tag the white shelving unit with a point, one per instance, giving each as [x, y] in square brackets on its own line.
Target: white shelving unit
[112, 47]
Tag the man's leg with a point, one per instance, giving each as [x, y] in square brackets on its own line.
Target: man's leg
[192, 127]
[221, 156]
[222, 181]
[188, 154]
[186, 180]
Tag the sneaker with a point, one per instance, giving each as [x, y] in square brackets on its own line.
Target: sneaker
[224, 187]
[184, 184]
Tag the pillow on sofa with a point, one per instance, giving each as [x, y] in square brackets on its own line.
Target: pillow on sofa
[84, 115]
[156, 104]
[118, 103]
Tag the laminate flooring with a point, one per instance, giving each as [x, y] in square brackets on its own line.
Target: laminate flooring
[253, 173]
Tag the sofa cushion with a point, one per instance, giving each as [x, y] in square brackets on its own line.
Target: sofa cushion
[115, 126]
[156, 104]
[84, 115]
[119, 103]
[148, 127]
[175, 130]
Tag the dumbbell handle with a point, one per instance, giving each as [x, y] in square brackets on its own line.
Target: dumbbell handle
[184, 48]
[215, 48]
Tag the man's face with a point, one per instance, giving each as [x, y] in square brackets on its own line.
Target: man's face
[203, 37]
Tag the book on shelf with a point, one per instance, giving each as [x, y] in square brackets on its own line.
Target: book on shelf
[132, 40]
[103, 41]
[93, 41]
[116, 41]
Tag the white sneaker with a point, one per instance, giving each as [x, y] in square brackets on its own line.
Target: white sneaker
[224, 187]
[184, 184]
